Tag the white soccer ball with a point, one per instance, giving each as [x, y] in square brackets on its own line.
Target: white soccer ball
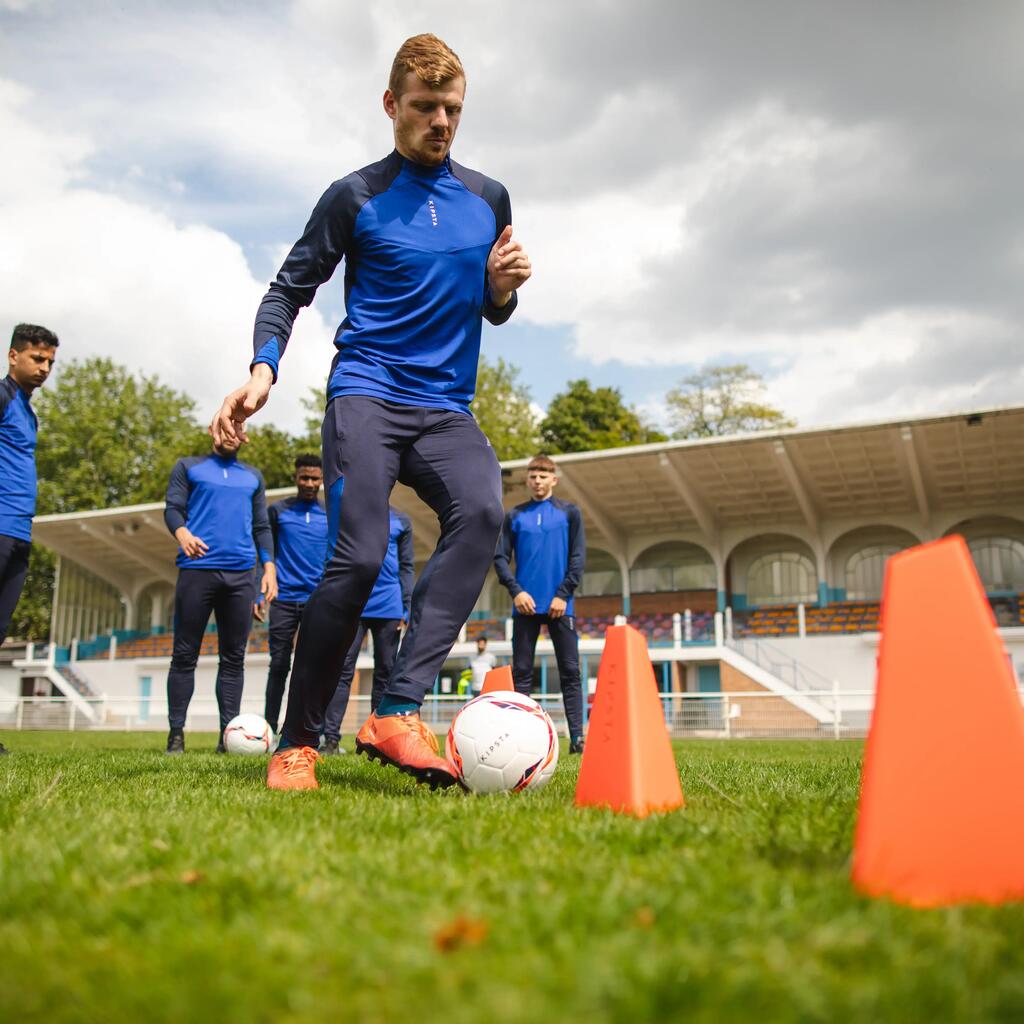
[502, 742]
[248, 734]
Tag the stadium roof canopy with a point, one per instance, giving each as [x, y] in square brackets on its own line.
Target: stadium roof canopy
[927, 470]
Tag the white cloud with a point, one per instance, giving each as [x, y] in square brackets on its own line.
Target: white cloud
[114, 278]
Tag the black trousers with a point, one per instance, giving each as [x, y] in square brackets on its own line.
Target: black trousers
[229, 596]
[525, 630]
[385, 633]
[14, 554]
[368, 444]
[282, 626]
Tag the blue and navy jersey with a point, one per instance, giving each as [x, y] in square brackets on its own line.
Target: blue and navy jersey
[299, 529]
[415, 241]
[546, 540]
[223, 502]
[393, 590]
[18, 429]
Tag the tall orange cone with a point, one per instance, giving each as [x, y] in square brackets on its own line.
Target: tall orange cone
[498, 679]
[942, 798]
[628, 764]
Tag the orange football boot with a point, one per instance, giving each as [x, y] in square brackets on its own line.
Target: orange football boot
[405, 743]
[294, 768]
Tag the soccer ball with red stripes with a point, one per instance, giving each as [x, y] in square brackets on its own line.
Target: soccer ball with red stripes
[502, 742]
[248, 734]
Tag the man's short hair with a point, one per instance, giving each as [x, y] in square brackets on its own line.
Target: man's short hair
[430, 59]
[308, 460]
[482, 636]
[543, 463]
[27, 335]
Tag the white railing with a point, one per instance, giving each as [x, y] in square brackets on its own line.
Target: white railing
[710, 715]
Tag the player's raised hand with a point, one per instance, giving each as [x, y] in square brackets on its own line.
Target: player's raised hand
[508, 267]
[241, 404]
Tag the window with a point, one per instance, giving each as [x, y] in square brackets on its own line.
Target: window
[782, 577]
[601, 575]
[1000, 563]
[865, 571]
[674, 565]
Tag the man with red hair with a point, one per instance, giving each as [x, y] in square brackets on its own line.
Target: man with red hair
[428, 252]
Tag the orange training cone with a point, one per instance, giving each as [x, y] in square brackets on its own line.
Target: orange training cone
[942, 799]
[628, 763]
[498, 679]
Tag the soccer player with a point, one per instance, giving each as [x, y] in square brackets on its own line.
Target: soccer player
[385, 613]
[299, 527]
[479, 665]
[428, 252]
[217, 511]
[545, 536]
[29, 362]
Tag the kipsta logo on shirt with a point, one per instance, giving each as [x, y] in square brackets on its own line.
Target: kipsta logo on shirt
[433, 212]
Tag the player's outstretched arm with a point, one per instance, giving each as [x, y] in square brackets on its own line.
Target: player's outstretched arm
[240, 404]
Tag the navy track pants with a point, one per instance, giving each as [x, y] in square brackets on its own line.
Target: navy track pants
[525, 630]
[14, 554]
[368, 444]
[229, 595]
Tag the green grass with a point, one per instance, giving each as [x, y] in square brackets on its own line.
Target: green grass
[135, 887]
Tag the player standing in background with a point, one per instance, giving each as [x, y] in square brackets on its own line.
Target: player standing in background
[545, 535]
[384, 615]
[217, 511]
[299, 527]
[29, 362]
[428, 253]
[479, 665]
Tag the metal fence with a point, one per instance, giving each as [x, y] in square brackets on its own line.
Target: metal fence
[821, 714]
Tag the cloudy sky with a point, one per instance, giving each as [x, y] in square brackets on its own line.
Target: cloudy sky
[830, 192]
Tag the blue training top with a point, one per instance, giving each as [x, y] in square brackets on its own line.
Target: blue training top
[299, 529]
[223, 502]
[546, 538]
[393, 590]
[18, 429]
[415, 241]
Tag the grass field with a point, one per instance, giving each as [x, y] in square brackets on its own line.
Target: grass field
[135, 887]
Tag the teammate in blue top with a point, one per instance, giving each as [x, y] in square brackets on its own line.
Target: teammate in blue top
[29, 362]
[545, 536]
[428, 252]
[299, 527]
[217, 510]
[384, 615]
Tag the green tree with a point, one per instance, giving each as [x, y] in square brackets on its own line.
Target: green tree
[583, 418]
[315, 404]
[108, 437]
[272, 451]
[503, 409]
[722, 400]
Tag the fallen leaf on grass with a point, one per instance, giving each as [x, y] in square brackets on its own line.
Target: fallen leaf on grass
[192, 877]
[460, 932]
[643, 918]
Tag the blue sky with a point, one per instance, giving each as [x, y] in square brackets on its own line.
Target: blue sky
[827, 193]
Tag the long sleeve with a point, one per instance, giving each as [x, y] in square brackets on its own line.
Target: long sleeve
[261, 532]
[406, 563]
[275, 523]
[178, 489]
[502, 207]
[577, 556]
[503, 557]
[312, 261]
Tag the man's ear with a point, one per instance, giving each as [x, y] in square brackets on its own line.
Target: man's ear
[390, 104]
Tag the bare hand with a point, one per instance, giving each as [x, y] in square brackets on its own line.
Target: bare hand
[524, 604]
[557, 609]
[268, 585]
[193, 546]
[259, 611]
[241, 404]
[508, 267]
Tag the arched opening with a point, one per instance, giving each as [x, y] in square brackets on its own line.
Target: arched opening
[601, 575]
[672, 566]
[857, 561]
[773, 569]
[996, 544]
